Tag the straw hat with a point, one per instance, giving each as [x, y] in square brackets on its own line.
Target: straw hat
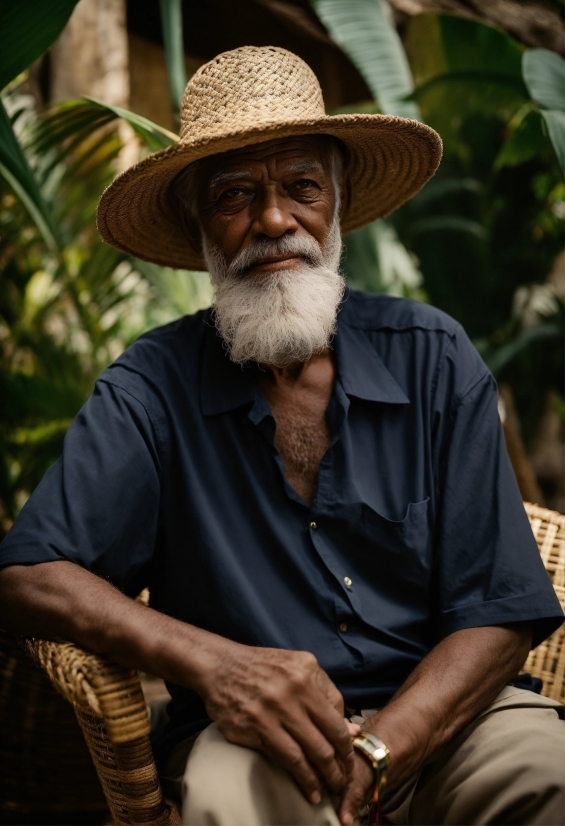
[243, 97]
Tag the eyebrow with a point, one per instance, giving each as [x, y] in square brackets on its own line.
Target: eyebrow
[222, 178]
[297, 168]
[303, 167]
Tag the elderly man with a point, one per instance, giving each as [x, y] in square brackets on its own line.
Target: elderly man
[313, 484]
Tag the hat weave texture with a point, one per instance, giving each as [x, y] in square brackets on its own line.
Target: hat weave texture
[244, 97]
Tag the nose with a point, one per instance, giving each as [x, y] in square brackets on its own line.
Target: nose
[272, 216]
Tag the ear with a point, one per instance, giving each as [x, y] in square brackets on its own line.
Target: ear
[345, 195]
[191, 228]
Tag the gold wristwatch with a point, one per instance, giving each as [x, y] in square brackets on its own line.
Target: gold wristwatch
[378, 756]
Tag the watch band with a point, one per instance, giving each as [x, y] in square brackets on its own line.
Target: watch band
[379, 757]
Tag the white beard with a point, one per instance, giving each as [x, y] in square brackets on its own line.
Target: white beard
[280, 317]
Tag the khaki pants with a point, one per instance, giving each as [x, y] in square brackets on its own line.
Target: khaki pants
[506, 767]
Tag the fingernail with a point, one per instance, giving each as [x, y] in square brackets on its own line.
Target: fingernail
[315, 798]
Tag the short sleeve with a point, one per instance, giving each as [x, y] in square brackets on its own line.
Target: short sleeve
[98, 504]
[489, 567]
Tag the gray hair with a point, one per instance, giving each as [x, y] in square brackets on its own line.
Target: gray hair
[185, 184]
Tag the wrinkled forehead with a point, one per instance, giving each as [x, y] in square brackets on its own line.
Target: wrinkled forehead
[304, 154]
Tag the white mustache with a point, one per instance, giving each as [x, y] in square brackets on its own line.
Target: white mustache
[287, 315]
[306, 248]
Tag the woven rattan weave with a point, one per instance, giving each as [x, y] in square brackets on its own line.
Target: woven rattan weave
[46, 772]
[547, 661]
[111, 709]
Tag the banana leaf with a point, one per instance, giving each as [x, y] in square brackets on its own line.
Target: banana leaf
[171, 21]
[28, 28]
[544, 75]
[364, 32]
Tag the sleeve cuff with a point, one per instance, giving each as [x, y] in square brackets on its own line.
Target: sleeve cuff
[540, 608]
[20, 555]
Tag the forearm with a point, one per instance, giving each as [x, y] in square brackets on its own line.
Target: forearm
[459, 678]
[280, 702]
[61, 600]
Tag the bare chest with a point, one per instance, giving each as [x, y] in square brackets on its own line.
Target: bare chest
[302, 438]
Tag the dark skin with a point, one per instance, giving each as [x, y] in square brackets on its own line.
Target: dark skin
[279, 702]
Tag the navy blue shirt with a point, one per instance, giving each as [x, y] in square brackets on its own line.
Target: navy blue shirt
[170, 479]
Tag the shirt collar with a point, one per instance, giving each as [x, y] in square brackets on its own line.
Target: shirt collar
[361, 370]
[225, 386]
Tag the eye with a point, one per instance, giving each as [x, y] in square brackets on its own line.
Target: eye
[304, 183]
[234, 192]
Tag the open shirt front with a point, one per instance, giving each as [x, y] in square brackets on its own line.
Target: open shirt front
[170, 479]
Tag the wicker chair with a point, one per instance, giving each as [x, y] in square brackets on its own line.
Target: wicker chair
[110, 707]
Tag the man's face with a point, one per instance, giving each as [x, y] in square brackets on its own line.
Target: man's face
[267, 191]
[269, 220]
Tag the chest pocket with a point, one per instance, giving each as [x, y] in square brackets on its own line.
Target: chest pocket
[400, 548]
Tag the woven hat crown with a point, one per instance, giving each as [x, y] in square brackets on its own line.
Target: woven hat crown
[248, 96]
[246, 88]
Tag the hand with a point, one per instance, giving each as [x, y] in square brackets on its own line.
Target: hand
[358, 790]
[284, 705]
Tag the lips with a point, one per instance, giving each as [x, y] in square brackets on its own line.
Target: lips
[272, 261]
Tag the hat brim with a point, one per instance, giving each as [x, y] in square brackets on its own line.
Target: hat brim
[390, 159]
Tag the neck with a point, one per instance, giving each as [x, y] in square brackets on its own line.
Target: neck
[296, 370]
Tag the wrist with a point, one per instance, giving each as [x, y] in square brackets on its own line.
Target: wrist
[376, 753]
[403, 745]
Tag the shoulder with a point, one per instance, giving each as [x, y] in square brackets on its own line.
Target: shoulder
[369, 311]
[414, 338]
[160, 359]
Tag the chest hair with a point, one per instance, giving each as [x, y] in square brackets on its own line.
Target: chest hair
[302, 438]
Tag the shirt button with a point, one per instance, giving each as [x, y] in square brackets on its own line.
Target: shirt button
[313, 525]
[343, 627]
[347, 581]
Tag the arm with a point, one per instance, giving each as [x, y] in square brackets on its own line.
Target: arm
[457, 680]
[279, 702]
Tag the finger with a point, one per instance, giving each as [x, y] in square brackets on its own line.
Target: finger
[319, 752]
[283, 750]
[356, 792]
[351, 802]
[352, 728]
[334, 728]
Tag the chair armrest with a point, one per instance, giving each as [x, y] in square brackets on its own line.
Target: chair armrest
[95, 685]
[547, 661]
[110, 707]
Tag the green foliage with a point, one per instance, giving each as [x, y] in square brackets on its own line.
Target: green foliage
[28, 28]
[367, 36]
[468, 82]
[171, 21]
[15, 169]
[77, 119]
[478, 241]
[66, 312]
[374, 257]
[489, 226]
[491, 220]
[375, 260]
[544, 74]
[526, 140]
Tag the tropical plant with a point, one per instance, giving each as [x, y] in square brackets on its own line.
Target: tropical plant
[490, 224]
[478, 241]
[69, 304]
